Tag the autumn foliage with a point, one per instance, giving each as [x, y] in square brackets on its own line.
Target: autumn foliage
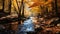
[40, 2]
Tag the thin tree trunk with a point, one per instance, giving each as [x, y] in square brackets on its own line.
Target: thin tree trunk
[3, 5]
[9, 7]
[22, 10]
[56, 8]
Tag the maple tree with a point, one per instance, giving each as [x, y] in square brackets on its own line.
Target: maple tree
[38, 3]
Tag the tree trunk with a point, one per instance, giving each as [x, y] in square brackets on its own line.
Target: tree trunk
[56, 8]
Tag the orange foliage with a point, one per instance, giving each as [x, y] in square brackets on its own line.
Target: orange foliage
[34, 4]
[38, 2]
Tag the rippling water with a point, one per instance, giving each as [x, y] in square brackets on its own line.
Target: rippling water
[27, 26]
